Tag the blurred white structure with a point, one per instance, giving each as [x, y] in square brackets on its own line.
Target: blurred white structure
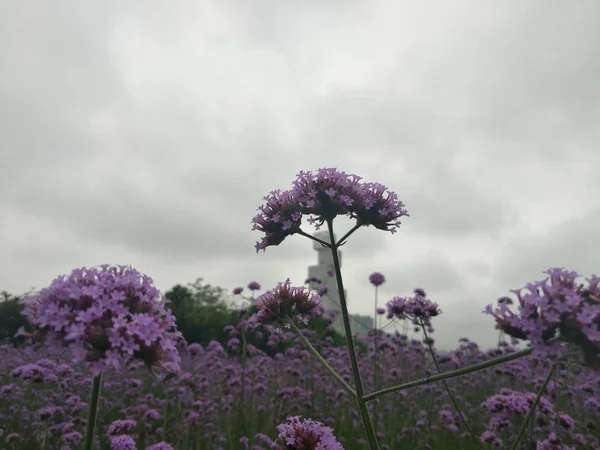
[361, 324]
[331, 301]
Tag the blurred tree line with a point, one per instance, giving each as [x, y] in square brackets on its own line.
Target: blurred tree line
[11, 318]
[202, 312]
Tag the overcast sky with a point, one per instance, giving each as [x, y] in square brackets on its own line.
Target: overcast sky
[148, 134]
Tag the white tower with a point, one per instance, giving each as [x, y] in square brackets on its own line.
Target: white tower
[331, 301]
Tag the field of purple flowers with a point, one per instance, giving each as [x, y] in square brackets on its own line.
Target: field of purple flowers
[114, 373]
[43, 399]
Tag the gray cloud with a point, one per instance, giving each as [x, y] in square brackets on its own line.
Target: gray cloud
[572, 244]
[150, 135]
[432, 271]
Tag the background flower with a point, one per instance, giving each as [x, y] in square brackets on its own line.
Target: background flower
[307, 434]
[107, 316]
[286, 303]
[376, 279]
[554, 306]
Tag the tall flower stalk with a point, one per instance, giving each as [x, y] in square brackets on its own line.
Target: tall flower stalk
[531, 411]
[93, 412]
[324, 196]
[376, 279]
[252, 286]
[561, 308]
[362, 404]
[463, 419]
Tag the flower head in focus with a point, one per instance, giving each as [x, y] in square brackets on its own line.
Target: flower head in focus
[376, 279]
[279, 218]
[285, 303]
[324, 195]
[555, 306]
[308, 434]
[108, 316]
[329, 193]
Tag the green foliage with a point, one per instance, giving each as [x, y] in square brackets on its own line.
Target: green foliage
[201, 311]
[11, 318]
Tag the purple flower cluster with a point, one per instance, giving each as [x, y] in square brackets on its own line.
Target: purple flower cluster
[73, 438]
[508, 401]
[34, 373]
[324, 195]
[254, 286]
[376, 279]
[508, 404]
[308, 434]
[415, 308]
[121, 427]
[555, 305]
[284, 303]
[122, 442]
[107, 316]
[552, 443]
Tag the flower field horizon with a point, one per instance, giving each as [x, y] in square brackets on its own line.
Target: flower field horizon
[107, 330]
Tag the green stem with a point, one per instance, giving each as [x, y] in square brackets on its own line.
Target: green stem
[452, 374]
[45, 436]
[320, 241]
[323, 361]
[375, 419]
[533, 406]
[342, 241]
[93, 412]
[362, 404]
[576, 365]
[452, 399]
[243, 410]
